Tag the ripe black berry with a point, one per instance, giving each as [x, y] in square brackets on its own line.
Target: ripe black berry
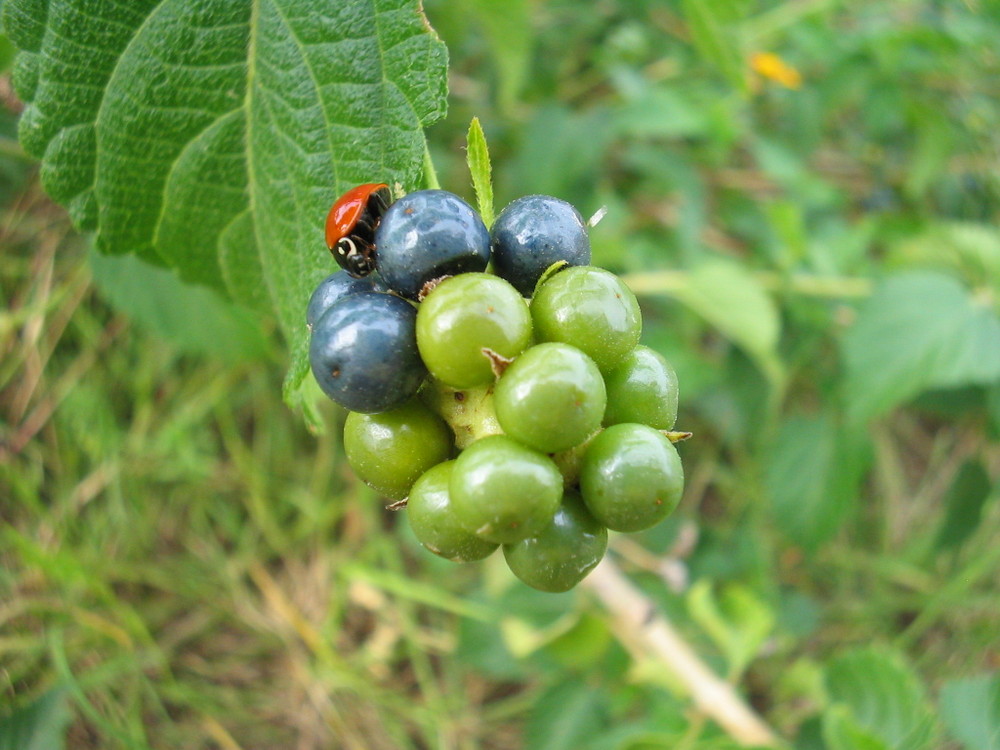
[426, 235]
[364, 354]
[534, 232]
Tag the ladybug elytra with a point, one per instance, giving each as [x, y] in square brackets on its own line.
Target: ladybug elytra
[351, 224]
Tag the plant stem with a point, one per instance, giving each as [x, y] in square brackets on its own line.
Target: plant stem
[637, 621]
[834, 287]
[430, 174]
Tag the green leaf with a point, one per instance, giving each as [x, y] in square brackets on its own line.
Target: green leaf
[524, 638]
[737, 621]
[993, 407]
[730, 298]
[350, 109]
[561, 153]
[813, 472]
[481, 647]
[971, 711]
[810, 735]
[193, 318]
[968, 249]
[657, 721]
[242, 270]
[788, 222]
[583, 644]
[303, 394]
[919, 330]
[965, 501]
[40, 725]
[6, 52]
[509, 29]
[875, 694]
[660, 112]
[934, 146]
[563, 717]
[841, 732]
[482, 173]
[173, 128]
[709, 22]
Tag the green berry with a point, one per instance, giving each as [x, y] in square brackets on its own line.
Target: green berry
[465, 314]
[591, 309]
[631, 477]
[642, 389]
[550, 398]
[432, 518]
[560, 555]
[389, 451]
[503, 491]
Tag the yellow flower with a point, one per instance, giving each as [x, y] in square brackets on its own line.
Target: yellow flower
[769, 65]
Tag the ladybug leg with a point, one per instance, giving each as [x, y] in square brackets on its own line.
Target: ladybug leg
[378, 202]
[366, 224]
[365, 247]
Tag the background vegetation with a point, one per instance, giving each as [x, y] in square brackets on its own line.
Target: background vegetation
[804, 194]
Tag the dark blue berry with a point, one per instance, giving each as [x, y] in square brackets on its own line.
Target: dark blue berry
[335, 286]
[428, 234]
[363, 352]
[534, 232]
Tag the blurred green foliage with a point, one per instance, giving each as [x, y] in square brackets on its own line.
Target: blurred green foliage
[806, 197]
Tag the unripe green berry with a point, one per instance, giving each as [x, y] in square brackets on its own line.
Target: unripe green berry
[591, 309]
[550, 398]
[432, 518]
[642, 389]
[390, 450]
[503, 491]
[462, 316]
[560, 555]
[631, 477]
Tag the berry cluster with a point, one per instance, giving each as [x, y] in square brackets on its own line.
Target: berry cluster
[510, 408]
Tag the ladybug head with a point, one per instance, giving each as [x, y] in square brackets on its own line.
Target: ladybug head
[354, 257]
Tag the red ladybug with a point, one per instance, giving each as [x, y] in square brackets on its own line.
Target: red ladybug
[351, 224]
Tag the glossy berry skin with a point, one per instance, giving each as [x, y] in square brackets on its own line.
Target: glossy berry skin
[432, 518]
[460, 317]
[363, 352]
[550, 398]
[335, 286]
[591, 309]
[631, 477]
[390, 450]
[426, 235]
[534, 232]
[562, 554]
[503, 491]
[351, 225]
[642, 389]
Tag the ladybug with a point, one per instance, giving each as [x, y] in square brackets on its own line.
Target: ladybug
[351, 224]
